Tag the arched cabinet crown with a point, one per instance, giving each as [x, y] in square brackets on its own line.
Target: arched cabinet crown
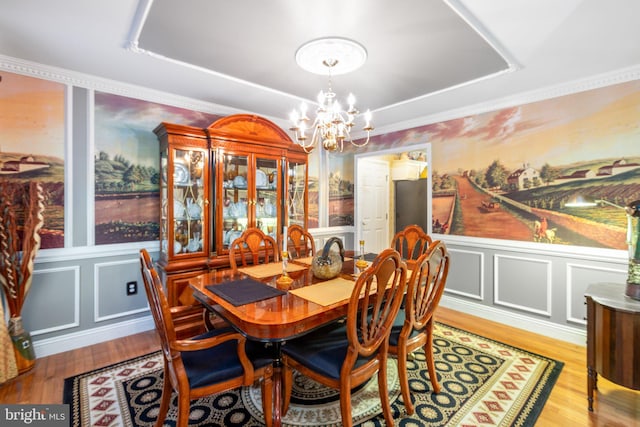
[241, 171]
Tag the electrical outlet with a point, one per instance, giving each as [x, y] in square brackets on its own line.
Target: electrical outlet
[132, 288]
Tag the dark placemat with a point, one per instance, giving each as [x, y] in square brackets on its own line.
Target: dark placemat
[244, 291]
[370, 256]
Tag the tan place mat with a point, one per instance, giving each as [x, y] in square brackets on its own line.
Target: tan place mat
[328, 292]
[268, 270]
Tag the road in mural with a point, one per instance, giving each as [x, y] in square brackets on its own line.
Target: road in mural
[509, 174]
[32, 144]
[127, 198]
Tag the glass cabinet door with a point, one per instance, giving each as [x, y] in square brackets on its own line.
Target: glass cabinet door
[188, 203]
[235, 197]
[296, 193]
[267, 205]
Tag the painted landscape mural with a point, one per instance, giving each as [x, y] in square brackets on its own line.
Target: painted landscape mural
[127, 197]
[32, 145]
[509, 174]
[341, 184]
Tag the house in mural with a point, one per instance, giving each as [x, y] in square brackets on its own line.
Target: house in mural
[576, 175]
[619, 166]
[525, 177]
[25, 164]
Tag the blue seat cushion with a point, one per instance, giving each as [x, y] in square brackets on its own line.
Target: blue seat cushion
[322, 350]
[220, 363]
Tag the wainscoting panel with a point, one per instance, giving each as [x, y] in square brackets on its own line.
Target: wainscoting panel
[523, 283]
[466, 274]
[53, 303]
[579, 277]
[110, 291]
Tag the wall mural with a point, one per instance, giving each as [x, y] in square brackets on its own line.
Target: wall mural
[127, 197]
[341, 183]
[32, 145]
[508, 174]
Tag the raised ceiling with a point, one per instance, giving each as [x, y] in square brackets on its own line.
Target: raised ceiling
[424, 56]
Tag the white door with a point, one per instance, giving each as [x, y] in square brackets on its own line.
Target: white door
[373, 204]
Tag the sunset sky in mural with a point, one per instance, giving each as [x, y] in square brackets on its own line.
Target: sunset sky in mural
[597, 124]
[125, 126]
[31, 115]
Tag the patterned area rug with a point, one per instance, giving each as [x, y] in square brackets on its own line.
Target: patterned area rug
[483, 383]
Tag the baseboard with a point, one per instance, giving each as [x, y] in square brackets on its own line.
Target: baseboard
[49, 346]
[564, 333]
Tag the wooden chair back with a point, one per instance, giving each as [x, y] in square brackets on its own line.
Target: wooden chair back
[411, 243]
[426, 285]
[253, 247]
[188, 320]
[363, 338]
[375, 301]
[425, 289]
[300, 243]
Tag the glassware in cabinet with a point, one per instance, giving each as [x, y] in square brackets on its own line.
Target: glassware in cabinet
[188, 201]
[266, 206]
[297, 192]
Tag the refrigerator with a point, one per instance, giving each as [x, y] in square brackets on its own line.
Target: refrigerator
[411, 204]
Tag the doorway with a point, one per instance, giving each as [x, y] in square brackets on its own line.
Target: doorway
[375, 204]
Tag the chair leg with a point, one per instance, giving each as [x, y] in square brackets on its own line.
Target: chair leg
[383, 390]
[428, 351]
[404, 377]
[287, 385]
[184, 405]
[165, 399]
[267, 397]
[345, 403]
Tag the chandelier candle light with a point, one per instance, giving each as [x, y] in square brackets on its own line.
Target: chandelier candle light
[331, 126]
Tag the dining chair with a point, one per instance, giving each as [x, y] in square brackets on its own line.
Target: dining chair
[251, 248]
[188, 320]
[411, 242]
[413, 327]
[218, 360]
[300, 243]
[343, 355]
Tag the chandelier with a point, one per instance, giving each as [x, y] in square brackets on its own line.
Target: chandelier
[332, 125]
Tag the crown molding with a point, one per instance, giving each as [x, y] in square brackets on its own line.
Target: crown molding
[73, 78]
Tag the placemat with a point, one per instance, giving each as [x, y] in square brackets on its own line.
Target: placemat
[268, 270]
[244, 291]
[327, 292]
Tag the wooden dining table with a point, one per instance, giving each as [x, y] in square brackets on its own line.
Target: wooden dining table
[306, 304]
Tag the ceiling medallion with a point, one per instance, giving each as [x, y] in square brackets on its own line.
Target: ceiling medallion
[331, 126]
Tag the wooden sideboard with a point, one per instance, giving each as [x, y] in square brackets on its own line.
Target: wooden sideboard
[613, 337]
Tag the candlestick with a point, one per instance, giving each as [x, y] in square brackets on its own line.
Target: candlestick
[361, 263]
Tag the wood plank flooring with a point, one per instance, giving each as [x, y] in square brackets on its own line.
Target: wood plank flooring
[567, 406]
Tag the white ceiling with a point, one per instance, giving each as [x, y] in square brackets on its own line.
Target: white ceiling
[424, 56]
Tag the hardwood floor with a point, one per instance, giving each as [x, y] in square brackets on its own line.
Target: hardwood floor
[567, 405]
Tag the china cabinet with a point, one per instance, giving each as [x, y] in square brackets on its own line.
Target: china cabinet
[242, 171]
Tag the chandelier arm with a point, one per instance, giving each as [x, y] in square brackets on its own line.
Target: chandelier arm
[363, 144]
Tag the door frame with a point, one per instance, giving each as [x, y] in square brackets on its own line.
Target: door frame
[426, 147]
